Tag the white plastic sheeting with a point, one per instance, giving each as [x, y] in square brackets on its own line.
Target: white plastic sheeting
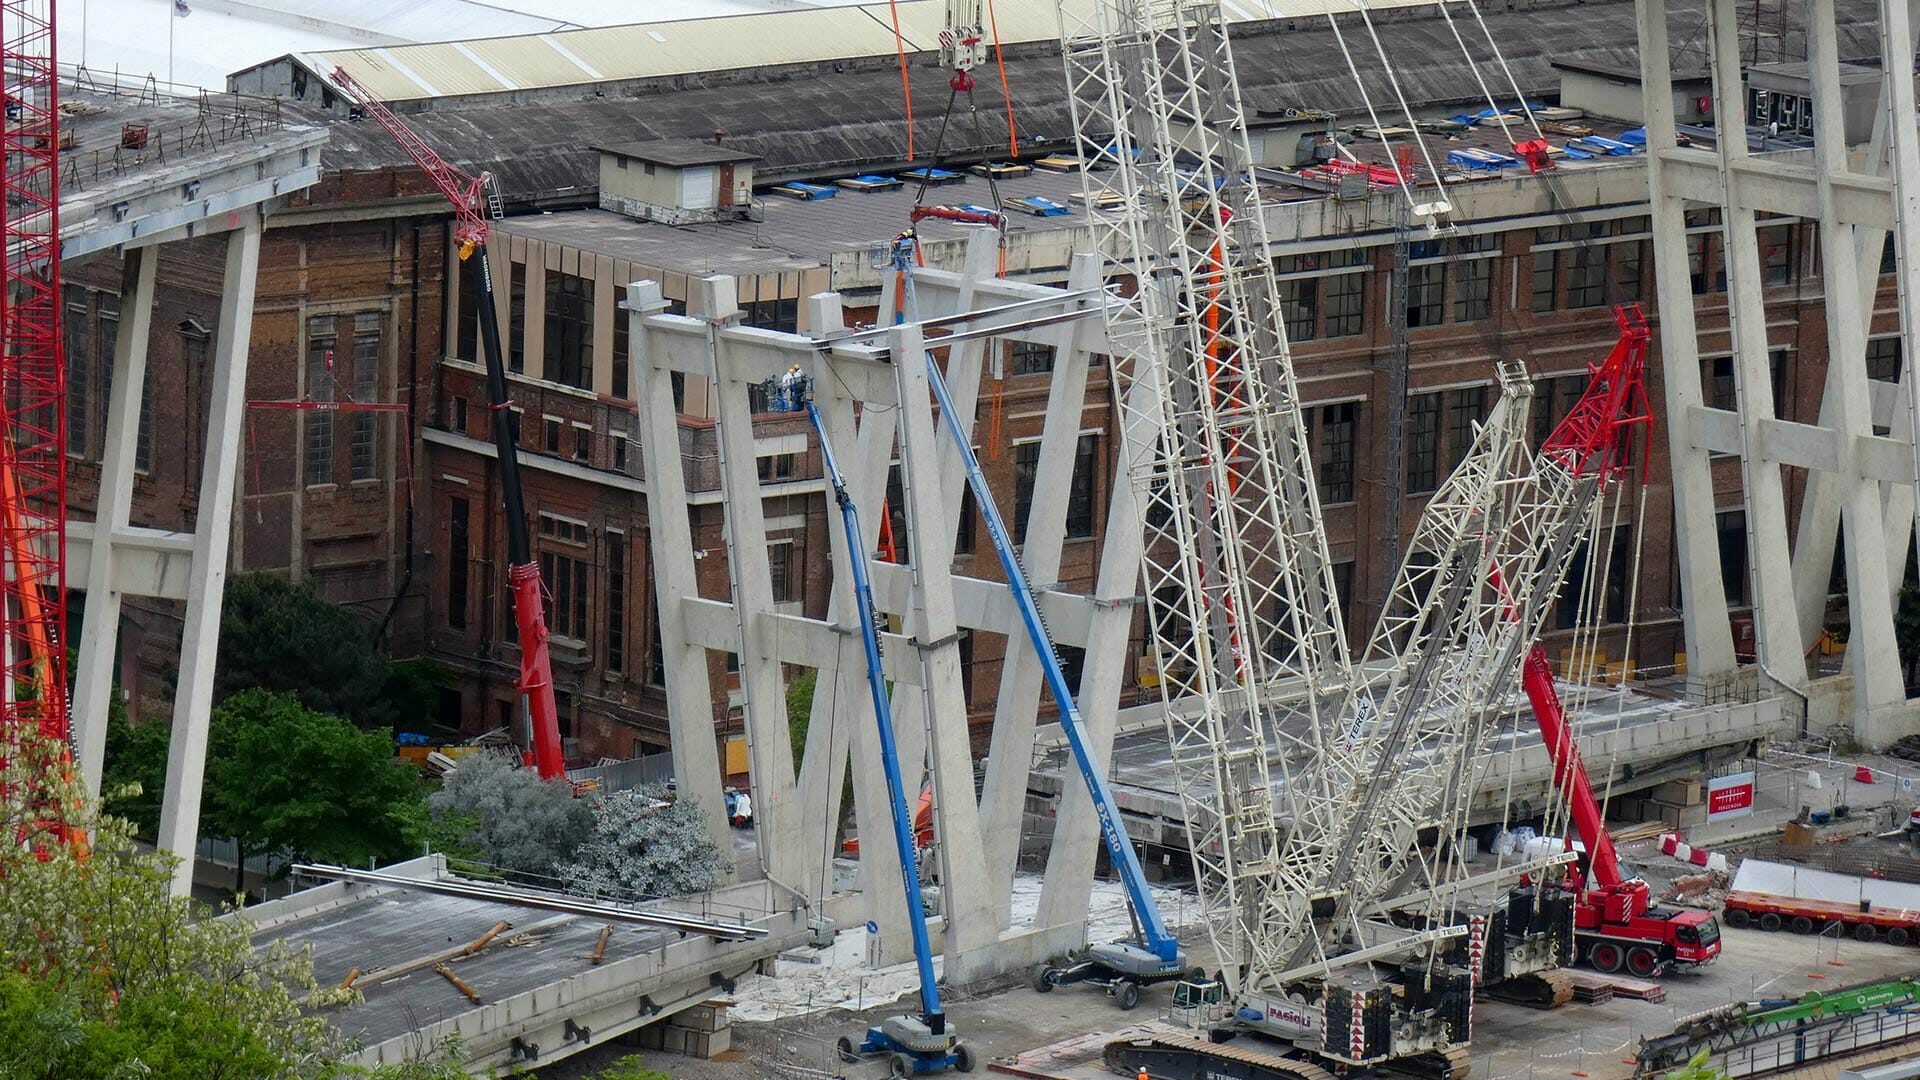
[1806, 883]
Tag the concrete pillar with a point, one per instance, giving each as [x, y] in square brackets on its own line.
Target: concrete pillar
[776, 813]
[1696, 539]
[696, 761]
[970, 922]
[93, 667]
[1009, 758]
[200, 638]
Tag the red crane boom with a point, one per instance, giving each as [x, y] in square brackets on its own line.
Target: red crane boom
[467, 193]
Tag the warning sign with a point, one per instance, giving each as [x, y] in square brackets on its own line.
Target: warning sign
[1729, 796]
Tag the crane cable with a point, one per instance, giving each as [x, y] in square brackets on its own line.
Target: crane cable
[906, 85]
[1380, 131]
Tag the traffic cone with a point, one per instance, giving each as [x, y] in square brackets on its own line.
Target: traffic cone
[1862, 774]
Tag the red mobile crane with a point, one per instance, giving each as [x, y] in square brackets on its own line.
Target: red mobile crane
[1616, 924]
[467, 193]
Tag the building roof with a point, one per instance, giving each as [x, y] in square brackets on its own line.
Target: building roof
[678, 153]
[793, 235]
[821, 122]
[688, 45]
[223, 36]
[1626, 72]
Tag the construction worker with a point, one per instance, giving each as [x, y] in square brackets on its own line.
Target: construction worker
[792, 390]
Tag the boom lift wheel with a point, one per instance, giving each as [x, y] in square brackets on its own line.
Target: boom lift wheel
[1127, 993]
[899, 1065]
[1770, 922]
[1043, 980]
[845, 1049]
[963, 1057]
[1606, 956]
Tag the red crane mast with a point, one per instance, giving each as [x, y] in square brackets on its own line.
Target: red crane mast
[467, 193]
[33, 427]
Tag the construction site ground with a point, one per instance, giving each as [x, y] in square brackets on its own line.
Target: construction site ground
[1510, 1042]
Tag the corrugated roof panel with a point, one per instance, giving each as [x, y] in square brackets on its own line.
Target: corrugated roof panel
[530, 61]
[741, 41]
[686, 46]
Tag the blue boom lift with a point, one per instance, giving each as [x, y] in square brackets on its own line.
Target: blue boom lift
[912, 1044]
[1152, 955]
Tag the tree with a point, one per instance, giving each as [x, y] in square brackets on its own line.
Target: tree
[280, 777]
[643, 844]
[277, 635]
[108, 976]
[800, 710]
[519, 822]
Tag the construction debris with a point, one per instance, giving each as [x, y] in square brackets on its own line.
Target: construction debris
[459, 983]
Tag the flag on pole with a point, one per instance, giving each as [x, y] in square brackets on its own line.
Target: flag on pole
[180, 9]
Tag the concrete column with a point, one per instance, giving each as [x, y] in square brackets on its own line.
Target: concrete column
[1010, 757]
[696, 760]
[1076, 832]
[1696, 537]
[971, 926]
[200, 637]
[776, 814]
[1877, 676]
[93, 667]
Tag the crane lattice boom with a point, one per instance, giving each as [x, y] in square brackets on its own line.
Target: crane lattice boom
[464, 190]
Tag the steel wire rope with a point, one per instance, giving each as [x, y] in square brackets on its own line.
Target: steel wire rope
[1512, 83]
[1393, 80]
[1466, 54]
[1379, 129]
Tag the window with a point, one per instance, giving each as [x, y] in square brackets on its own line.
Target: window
[1423, 437]
[1336, 452]
[656, 656]
[1630, 258]
[553, 435]
[1299, 297]
[621, 374]
[1776, 254]
[785, 573]
[1732, 527]
[79, 367]
[1026, 471]
[1473, 287]
[565, 530]
[460, 415]
[963, 538]
[1343, 588]
[582, 443]
[1546, 271]
[1086, 463]
[467, 333]
[965, 642]
[1553, 399]
[1697, 262]
[620, 453]
[1586, 273]
[569, 340]
[679, 384]
[195, 343]
[566, 580]
[457, 559]
[781, 315]
[1426, 292]
[1721, 390]
[775, 467]
[1466, 407]
[320, 388]
[897, 513]
[1346, 296]
[366, 387]
[517, 317]
[109, 344]
[1702, 257]
[1613, 578]
[1889, 260]
[143, 435]
[1883, 359]
[1073, 661]
[1031, 358]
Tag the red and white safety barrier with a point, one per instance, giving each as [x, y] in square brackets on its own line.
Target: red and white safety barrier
[1671, 844]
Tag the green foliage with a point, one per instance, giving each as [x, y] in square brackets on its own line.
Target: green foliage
[643, 844]
[1906, 622]
[630, 1068]
[515, 820]
[800, 710]
[277, 635]
[279, 776]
